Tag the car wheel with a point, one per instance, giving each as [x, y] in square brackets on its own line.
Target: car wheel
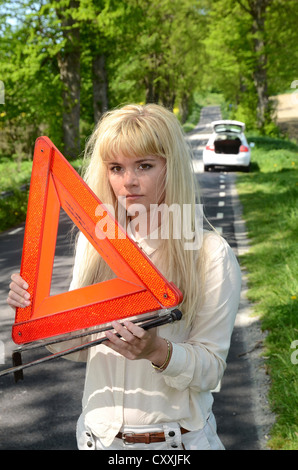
[207, 167]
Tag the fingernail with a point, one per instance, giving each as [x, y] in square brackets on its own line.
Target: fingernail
[27, 295]
[25, 285]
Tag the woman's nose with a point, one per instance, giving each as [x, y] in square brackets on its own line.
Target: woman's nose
[130, 178]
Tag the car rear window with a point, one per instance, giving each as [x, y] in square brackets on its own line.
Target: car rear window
[219, 128]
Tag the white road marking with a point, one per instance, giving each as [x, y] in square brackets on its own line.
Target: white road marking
[198, 166]
[17, 230]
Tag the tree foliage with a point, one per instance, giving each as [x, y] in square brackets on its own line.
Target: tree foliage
[63, 63]
[252, 53]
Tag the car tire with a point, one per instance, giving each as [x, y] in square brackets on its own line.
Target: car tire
[207, 167]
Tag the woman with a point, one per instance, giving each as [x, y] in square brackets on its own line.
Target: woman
[152, 389]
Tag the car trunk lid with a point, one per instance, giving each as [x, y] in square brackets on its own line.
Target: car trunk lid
[228, 126]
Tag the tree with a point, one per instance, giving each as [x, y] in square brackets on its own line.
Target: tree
[44, 63]
[31, 78]
[258, 10]
[282, 39]
[158, 48]
[94, 52]
[252, 54]
[69, 60]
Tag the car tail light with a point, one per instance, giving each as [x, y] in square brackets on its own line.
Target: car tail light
[243, 148]
[210, 147]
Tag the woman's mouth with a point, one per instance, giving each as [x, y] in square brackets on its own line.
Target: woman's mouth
[132, 197]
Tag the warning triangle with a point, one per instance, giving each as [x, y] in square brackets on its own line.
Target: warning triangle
[138, 286]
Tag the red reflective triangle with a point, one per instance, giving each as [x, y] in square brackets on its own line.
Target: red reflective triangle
[138, 287]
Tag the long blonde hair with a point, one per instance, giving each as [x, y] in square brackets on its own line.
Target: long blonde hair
[139, 131]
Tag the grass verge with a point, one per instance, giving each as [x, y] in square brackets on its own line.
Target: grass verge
[13, 175]
[269, 198]
[13, 206]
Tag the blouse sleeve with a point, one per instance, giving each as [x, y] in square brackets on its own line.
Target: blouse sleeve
[201, 361]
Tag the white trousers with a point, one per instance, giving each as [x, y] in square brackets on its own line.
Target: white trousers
[204, 439]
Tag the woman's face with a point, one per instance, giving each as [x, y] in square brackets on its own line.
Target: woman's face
[137, 182]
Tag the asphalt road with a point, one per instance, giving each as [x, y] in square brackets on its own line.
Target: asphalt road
[41, 411]
[233, 404]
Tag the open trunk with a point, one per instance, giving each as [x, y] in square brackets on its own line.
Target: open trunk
[227, 146]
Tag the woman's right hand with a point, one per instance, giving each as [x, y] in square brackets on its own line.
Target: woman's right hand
[18, 295]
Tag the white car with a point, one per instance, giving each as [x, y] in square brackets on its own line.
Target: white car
[227, 146]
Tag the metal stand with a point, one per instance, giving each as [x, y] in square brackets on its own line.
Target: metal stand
[17, 369]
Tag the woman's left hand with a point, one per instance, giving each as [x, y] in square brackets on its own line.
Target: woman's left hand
[137, 343]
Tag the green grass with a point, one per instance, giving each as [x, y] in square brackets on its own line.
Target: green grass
[12, 176]
[269, 195]
[13, 208]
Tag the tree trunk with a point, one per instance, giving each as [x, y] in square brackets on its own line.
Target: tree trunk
[69, 65]
[149, 90]
[257, 9]
[260, 71]
[184, 107]
[168, 100]
[100, 86]
[168, 97]
[152, 88]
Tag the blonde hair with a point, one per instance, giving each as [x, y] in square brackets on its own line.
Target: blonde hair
[139, 131]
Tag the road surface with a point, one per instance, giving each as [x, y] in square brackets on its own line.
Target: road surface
[41, 411]
[233, 405]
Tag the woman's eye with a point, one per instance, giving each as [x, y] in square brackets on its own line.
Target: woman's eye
[119, 168]
[145, 166]
[115, 169]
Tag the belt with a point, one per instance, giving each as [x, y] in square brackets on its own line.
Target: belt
[146, 437]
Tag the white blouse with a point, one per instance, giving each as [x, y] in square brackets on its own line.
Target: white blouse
[119, 391]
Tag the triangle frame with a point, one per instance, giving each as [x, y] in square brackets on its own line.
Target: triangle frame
[138, 286]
